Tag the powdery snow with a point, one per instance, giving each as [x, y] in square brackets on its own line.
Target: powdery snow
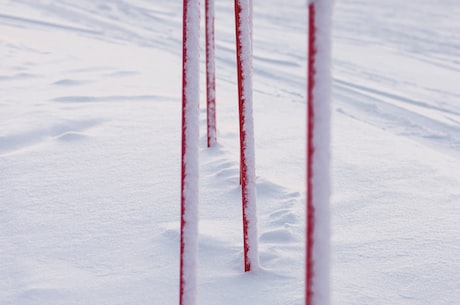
[90, 137]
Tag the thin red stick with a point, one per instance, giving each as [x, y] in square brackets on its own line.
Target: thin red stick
[184, 135]
[210, 74]
[310, 152]
[190, 142]
[243, 47]
[242, 118]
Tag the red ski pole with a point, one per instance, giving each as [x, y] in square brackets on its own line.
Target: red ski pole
[318, 155]
[190, 142]
[210, 74]
[243, 24]
[310, 151]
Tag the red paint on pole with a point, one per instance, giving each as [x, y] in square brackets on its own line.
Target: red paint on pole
[243, 22]
[310, 152]
[210, 74]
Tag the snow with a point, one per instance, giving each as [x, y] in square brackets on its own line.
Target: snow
[90, 136]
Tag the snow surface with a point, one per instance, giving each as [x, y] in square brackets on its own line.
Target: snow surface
[90, 154]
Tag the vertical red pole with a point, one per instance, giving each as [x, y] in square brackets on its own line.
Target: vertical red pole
[190, 142]
[243, 23]
[210, 74]
[310, 152]
[317, 291]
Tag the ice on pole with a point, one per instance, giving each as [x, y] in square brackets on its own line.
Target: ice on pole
[190, 142]
[317, 288]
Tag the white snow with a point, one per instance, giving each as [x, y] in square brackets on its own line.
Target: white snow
[90, 137]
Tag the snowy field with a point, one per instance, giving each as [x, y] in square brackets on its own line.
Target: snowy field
[90, 118]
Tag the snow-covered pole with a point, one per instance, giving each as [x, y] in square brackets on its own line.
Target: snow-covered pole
[243, 24]
[318, 154]
[190, 142]
[210, 74]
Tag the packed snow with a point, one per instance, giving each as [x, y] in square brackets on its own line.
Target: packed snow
[90, 154]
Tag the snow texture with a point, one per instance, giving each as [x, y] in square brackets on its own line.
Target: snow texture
[90, 162]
